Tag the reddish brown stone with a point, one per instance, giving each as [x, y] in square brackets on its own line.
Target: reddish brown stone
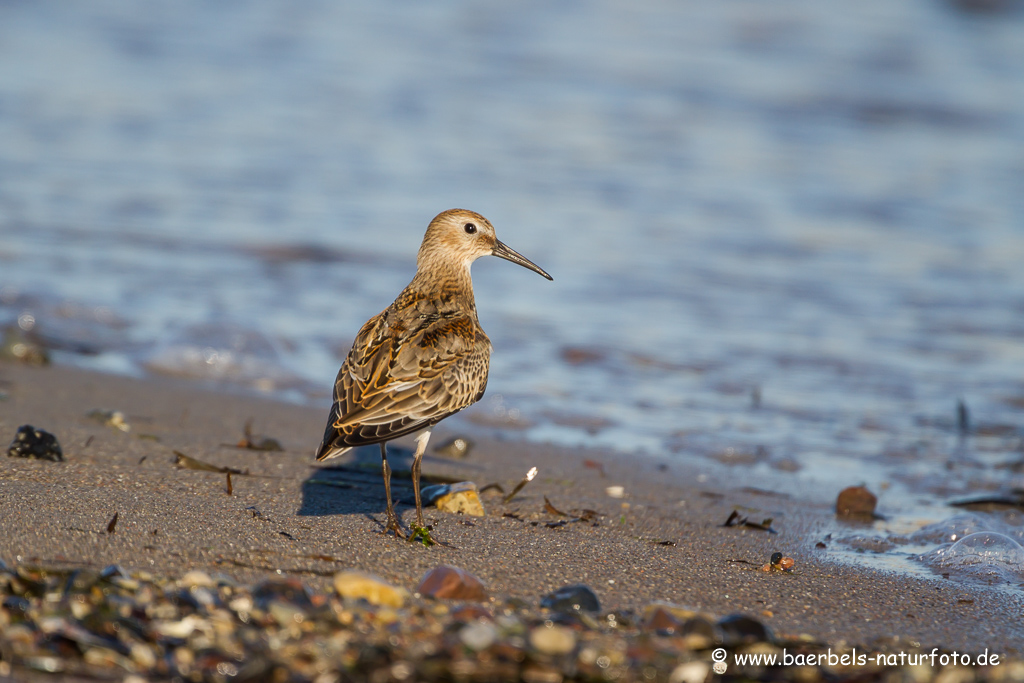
[856, 501]
[469, 613]
[451, 583]
[661, 619]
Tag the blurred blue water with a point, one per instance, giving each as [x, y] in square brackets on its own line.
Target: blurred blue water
[818, 203]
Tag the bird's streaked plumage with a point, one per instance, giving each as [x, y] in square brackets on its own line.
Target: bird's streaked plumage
[425, 356]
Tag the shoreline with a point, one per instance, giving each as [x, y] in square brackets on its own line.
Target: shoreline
[663, 541]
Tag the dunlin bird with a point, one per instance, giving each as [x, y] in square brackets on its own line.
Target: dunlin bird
[424, 357]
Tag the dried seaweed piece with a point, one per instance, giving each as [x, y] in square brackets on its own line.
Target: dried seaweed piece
[422, 535]
[736, 520]
[113, 524]
[991, 502]
[256, 442]
[229, 487]
[185, 462]
[551, 509]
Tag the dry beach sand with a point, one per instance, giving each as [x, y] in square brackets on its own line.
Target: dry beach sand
[663, 540]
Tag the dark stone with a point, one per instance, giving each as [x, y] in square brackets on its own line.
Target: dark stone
[699, 626]
[289, 591]
[575, 598]
[16, 604]
[113, 572]
[30, 442]
[81, 580]
[740, 629]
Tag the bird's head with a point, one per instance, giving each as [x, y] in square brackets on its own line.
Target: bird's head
[459, 237]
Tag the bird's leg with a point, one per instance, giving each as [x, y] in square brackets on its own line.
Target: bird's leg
[392, 519]
[420, 532]
[421, 447]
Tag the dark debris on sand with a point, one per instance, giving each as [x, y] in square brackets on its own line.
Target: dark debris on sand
[30, 442]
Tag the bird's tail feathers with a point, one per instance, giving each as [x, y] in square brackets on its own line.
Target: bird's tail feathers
[326, 453]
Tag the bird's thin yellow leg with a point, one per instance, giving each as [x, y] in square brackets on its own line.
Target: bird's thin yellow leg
[392, 524]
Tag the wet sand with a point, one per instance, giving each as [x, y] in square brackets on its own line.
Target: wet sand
[278, 520]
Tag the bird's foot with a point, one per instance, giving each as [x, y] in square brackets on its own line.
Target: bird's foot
[394, 526]
[422, 534]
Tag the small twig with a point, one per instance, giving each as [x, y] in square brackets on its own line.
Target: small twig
[519, 487]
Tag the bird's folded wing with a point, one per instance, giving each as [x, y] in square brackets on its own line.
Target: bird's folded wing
[394, 384]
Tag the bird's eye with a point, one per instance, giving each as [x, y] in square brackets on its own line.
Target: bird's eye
[470, 228]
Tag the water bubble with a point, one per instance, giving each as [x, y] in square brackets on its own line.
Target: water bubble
[951, 530]
[985, 547]
[985, 555]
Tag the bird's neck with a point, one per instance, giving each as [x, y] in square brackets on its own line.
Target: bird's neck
[446, 282]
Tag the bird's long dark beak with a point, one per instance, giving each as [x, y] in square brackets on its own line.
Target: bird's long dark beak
[504, 251]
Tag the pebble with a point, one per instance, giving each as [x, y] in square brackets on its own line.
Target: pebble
[689, 672]
[470, 611]
[574, 598]
[856, 501]
[289, 591]
[196, 579]
[664, 616]
[285, 613]
[698, 633]
[738, 629]
[553, 639]
[461, 497]
[451, 583]
[269, 632]
[181, 629]
[357, 585]
[478, 635]
[661, 620]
